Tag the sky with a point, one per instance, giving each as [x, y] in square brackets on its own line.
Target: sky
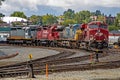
[57, 7]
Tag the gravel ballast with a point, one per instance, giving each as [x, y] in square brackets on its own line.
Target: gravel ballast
[100, 74]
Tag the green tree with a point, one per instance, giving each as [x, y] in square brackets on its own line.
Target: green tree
[78, 17]
[109, 21]
[16, 24]
[2, 15]
[98, 12]
[117, 20]
[112, 27]
[100, 18]
[1, 1]
[18, 14]
[116, 23]
[93, 13]
[36, 19]
[49, 19]
[69, 14]
[83, 16]
[118, 16]
[69, 21]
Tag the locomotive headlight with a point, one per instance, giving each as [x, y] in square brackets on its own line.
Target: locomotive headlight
[100, 34]
[94, 39]
[91, 37]
[99, 31]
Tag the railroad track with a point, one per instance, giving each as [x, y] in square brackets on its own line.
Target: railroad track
[55, 68]
[17, 68]
[54, 63]
[57, 63]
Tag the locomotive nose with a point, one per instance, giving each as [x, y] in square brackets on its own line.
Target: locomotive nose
[99, 36]
[98, 31]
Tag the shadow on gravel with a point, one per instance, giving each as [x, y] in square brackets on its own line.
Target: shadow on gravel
[107, 79]
[8, 56]
[2, 53]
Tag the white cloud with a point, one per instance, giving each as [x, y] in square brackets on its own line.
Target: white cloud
[84, 3]
[32, 5]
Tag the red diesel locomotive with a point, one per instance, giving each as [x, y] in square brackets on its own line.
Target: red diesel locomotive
[95, 34]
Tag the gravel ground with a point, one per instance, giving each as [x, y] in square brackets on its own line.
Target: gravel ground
[80, 53]
[23, 53]
[2, 53]
[114, 56]
[100, 74]
[36, 53]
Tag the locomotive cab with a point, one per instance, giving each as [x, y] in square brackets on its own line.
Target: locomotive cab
[96, 34]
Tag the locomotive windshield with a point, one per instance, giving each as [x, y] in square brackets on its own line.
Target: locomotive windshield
[13, 28]
[103, 26]
[93, 26]
[96, 26]
[33, 29]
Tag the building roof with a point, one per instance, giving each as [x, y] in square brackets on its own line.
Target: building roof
[4, 28]
[13, 19]
[114, 33]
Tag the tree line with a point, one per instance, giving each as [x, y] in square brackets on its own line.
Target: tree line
[70, 17]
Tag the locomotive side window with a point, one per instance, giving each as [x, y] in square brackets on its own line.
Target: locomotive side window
[13, 28]
[19, 28]
[103, 26]
[33, 29]
[93, 26]
[39, 29]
